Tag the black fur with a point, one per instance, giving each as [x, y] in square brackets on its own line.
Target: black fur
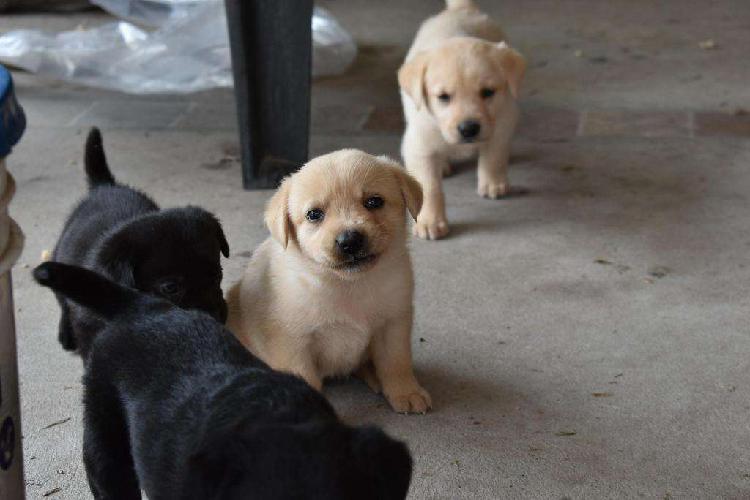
[121, 233]
[177, 407]
[95, 161]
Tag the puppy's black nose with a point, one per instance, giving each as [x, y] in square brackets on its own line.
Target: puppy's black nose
[350, 242]
[469, 129]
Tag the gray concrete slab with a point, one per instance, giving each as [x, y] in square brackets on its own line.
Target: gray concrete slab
[585, 338]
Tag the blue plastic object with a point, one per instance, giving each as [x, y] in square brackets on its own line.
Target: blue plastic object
[12, 119]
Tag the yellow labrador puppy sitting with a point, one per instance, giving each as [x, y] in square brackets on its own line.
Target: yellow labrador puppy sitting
[331, 292]
[459, 85]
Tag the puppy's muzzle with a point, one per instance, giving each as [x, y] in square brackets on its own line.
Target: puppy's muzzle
[352, 247]
[469, 130]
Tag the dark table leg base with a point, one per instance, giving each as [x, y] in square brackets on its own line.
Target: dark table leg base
[271, 42]
[270, 173]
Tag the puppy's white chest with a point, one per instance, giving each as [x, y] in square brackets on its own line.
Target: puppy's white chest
[351, 310]
[340, 349]
[344, 330]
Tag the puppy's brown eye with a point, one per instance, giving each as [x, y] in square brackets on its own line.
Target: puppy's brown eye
[444, 97]
[487, 93]
[374, 202]
[315, 215]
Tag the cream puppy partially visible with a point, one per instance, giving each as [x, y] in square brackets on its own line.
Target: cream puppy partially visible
[459, 85]
[331, 292]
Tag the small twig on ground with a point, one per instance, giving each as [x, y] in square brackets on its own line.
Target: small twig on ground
[59, 422]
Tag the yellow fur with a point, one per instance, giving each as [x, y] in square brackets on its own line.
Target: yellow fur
[458, 53]
[299, 311]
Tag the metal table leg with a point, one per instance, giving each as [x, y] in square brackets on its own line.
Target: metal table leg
[271, 43]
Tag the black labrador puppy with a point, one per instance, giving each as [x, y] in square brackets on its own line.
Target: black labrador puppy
[177, 407]
[121, 233]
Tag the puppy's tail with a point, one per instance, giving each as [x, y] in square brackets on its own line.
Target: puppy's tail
[460, 4]
[95, 162]
[87, 288]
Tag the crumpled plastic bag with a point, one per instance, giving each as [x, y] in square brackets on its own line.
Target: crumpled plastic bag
[153, 13]
[334, 49]
[187, 52]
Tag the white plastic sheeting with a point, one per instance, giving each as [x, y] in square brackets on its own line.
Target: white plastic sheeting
[187, 51]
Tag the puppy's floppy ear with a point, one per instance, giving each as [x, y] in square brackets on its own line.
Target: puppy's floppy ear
[202, 216]
[277, 214]
[223, 245]
[411, 78]
[117, 256]
[411, 190]
[121, 270]
[388, 461]
[513, 65]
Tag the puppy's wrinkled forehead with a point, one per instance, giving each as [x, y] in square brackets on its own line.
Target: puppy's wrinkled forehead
[462, 63]
[338, 178]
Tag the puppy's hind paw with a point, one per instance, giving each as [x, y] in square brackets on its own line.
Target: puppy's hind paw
[493, 190]
[430, 229]
[415, 401]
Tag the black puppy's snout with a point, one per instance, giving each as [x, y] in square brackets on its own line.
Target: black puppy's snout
[350, 242]
[469, 129]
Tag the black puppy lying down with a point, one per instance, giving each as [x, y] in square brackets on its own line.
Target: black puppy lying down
[121, 233]
[176, 406]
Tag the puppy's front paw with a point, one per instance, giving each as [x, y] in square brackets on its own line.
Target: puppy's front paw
[429, 228]
[412, 400]
[493, 190]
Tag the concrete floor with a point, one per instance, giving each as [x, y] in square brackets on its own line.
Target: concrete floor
[587, 338]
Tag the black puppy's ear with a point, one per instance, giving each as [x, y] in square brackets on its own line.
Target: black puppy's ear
[216, 465]
[117, 256]
[214, 221]
[44, 274]
[122, 271]
[118, 264]
[223, 245]
[386, 460]
[87, 288]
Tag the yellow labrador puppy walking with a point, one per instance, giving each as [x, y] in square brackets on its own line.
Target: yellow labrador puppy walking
[459, 85]
[331, 291]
